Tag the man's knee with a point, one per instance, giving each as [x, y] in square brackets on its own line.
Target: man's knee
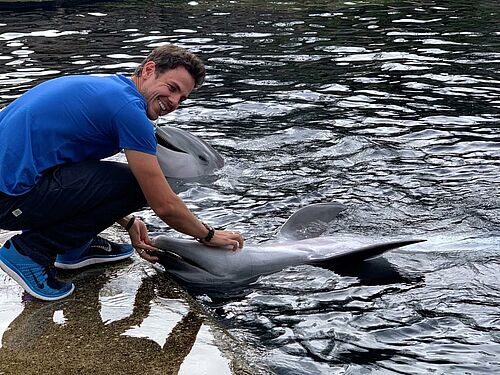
[123, 178]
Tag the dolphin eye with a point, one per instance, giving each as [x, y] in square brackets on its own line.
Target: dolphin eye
[202, 158]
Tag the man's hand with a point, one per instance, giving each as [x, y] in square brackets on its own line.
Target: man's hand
[141, 242]
[229, 239]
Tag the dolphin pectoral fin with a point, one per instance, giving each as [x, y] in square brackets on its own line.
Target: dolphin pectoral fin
[361, 254]
[306, 222]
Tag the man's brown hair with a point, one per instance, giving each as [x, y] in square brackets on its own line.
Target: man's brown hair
[169, 57]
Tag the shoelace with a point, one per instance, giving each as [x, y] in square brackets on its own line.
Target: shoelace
[101, 243]
[42, 275]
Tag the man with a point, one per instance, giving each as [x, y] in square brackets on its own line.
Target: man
[57, 190]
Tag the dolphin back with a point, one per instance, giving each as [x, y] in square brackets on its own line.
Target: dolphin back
[299, 225]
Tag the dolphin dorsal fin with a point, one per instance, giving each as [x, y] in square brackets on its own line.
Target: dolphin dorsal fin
[310, 221]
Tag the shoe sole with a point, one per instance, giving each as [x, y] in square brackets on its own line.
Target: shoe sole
[91, 261]
[9, 271]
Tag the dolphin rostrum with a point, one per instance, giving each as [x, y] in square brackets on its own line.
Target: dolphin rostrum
[215, 269]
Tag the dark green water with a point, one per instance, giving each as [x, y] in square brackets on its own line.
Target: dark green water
[391, 107]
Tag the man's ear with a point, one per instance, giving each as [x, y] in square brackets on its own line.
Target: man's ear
[148, 69]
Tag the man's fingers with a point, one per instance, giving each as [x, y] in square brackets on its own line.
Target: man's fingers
[239, 239]
[145, 246]
[144, 254]
[236, 245]
[144, 250]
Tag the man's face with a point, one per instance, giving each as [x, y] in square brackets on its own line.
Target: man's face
[164, 93]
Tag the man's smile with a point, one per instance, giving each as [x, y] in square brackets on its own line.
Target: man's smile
[163, 107]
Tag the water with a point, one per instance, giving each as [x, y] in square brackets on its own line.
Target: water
[390, 107]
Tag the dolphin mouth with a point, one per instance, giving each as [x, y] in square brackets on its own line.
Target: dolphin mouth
[162, 141]
[177, 257]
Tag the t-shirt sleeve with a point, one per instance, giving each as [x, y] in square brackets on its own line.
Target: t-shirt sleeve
[135, 131]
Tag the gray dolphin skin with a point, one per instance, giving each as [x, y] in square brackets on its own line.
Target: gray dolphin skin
[183, 155]
[207, 268]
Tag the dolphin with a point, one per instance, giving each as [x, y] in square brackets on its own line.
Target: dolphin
[184, 156]
[217, 269]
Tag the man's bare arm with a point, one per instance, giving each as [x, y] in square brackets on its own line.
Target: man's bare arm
[167, 205]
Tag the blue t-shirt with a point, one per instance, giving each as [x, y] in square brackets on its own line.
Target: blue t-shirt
[70, 119]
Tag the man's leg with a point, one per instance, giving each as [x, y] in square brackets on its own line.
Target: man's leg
[65, 210]
[70, 205]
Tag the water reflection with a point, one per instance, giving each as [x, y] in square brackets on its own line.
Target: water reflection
[164, 316]
[11, 306]
[158, 330]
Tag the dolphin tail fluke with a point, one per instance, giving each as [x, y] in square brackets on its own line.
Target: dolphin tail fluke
[304, 223]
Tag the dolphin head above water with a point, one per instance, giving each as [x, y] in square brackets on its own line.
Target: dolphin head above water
[182, 155]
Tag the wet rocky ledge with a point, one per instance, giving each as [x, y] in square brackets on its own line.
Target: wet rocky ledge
[127, 318]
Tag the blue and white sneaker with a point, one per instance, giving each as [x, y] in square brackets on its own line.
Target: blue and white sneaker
[39, 281]
[99, 250]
